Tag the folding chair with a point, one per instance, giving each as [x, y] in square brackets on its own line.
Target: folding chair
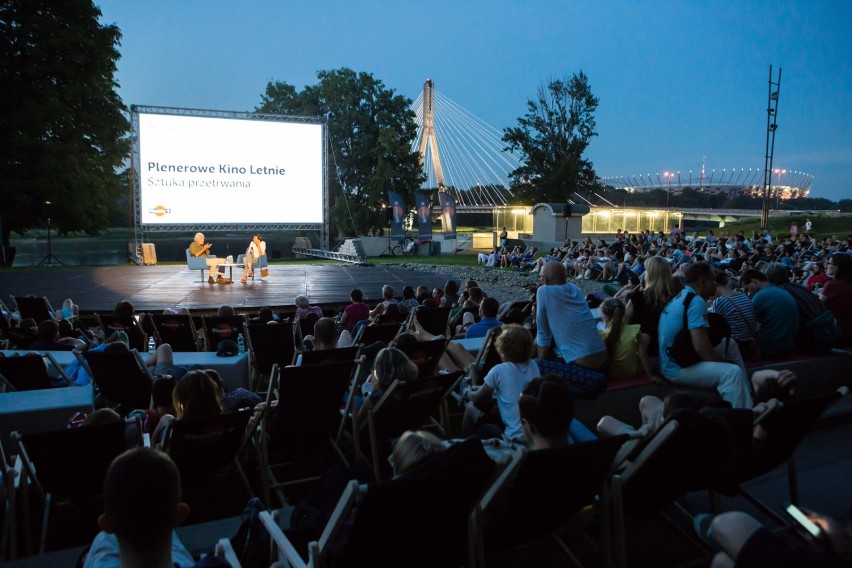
[421, 516]
[425, 354]
[787, 425]
[176, 330]
[369, 334]
[30, 371]
[11, 483]
[306, 325]
[538, 493]
[304, 424]
[322, 356]
[39, 309]
[121, 377]
[110, 324]
[69, 465]
[204, 451]
[434, 320]
[268, 345]
[486, 358]
[218, 328]
[406, 405]
[675, 460]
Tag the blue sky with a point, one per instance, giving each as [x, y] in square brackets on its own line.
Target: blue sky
[676, 80]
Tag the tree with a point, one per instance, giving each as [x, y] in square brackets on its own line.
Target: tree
[551, 138]
[62, 123]
[371, 131]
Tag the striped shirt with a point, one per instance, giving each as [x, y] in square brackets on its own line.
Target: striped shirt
[726, 306]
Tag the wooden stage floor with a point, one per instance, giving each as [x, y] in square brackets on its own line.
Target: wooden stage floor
[153, 288]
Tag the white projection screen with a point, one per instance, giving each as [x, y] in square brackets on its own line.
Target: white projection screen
[203, 170]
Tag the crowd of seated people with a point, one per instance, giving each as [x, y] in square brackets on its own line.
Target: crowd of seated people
[542, 359]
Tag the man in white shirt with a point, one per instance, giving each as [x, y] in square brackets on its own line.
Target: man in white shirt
[563, 318]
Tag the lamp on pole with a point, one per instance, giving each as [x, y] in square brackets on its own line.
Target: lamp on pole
[780, 172]
[668, 176]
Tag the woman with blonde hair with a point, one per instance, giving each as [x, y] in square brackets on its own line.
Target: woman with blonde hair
[505, 380]
[623, 343]
[645, 306]
[390, 365]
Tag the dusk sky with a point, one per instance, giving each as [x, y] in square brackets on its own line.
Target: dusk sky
[676, 80]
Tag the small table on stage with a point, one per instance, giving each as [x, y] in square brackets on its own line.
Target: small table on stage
[230, 266]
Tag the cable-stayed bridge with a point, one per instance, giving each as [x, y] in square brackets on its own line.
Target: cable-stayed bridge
[461, 154]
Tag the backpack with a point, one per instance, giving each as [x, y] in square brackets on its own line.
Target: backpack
[681, 350]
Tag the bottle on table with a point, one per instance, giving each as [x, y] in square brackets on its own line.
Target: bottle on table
[241, 344]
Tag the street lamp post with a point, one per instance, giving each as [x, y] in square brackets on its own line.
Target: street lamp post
[780, 172]
[668, 193]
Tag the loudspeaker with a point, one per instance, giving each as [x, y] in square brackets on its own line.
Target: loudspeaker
[566, 212]
[388, 214]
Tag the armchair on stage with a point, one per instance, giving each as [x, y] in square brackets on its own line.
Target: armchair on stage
[198, 263]
[262, 262]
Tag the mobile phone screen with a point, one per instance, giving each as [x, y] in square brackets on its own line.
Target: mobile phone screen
[804, 521]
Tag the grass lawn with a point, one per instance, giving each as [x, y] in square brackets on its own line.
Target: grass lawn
[779, 225]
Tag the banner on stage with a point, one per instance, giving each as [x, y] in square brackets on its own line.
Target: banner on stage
[448, 215]
[397, 219]
[424, 216]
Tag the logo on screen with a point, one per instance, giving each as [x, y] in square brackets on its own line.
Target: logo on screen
[159, 210]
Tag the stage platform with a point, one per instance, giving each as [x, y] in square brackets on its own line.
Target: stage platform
[153, 288]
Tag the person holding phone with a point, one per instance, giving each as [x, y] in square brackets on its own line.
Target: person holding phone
[200, 248]
[744, 542]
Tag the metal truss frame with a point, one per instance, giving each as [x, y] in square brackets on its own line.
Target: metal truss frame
[136, 189]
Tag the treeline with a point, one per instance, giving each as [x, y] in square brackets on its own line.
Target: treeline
[690, 198]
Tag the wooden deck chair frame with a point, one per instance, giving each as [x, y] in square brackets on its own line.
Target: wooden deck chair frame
[137, 336]
[425, 354]
[277, 385]
[814, 407]
[378, 332]
[323, 356]
[225, 421]
[178, 330]
[39, 309]
[317, 550]
[38, 375]
[218, 328]
[85, 466]
[434, 320]
[591, 479]
[477, 370]
[12, 481]
[268, 345]
[110, 382]
[441, 386]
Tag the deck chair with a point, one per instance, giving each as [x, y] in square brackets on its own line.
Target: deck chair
[218, 328]
[206, 451]
[421, 516]
[787, 423]
[487, 357]
[30, 371]
[369, 334]
[296, 435]
[176, 330]
[69, 465]
[268, 345]
[121, 377]
[539, 492]
[38, 309]
[434, 320]
[306, 326]
[11, 483]
[676, 459]
[425, 354]
[406, 405]
[110, 324]
[322, 356]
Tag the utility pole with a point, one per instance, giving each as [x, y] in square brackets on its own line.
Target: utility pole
[771, 127]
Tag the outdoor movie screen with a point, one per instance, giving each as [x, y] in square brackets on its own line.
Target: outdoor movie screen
[205, 170]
